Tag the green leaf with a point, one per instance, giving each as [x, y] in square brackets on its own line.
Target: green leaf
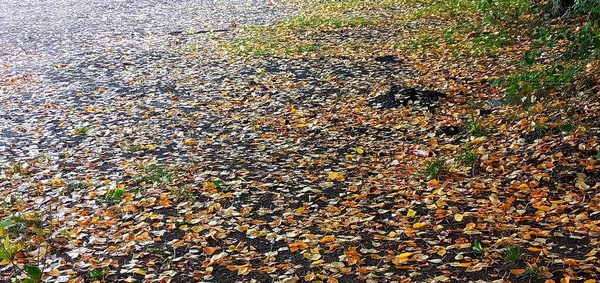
[9, 250]
[477, 247]
[118, 194]
[4, 255]
[565, 127]
[33, 271]
[66, 234]
[6, 222]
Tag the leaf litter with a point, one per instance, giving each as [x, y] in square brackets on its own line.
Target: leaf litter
[181, 161]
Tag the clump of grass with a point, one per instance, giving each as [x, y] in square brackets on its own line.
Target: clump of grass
[468, 158]
[16, 168]
[83, 130]
[280, 39]
[301, 48]
[512, 254]
[436, 168]
[523, 86]
[98, 274]
[316, 21]
[489, 43]
[530, 273]
[445, 9]
[473, 126]
[157, 174]
[114, 196]
[75, 186]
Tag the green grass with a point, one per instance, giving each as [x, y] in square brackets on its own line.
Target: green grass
[98, 274]
[467, 157]
[75, 186]
[445, 9]
[83, 130]
[157, 174]
[530, 273]
[315, 21]
[302, 48]
[520, 86]
[114, 196]
[512, 254]
[474, 127]
[490, 43]
[436, 168]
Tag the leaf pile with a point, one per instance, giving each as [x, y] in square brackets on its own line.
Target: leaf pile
[257, 155]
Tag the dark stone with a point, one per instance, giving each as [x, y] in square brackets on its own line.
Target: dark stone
[396, 96]
[494, 102]
[450, 130]
[386, 59]
[387, 101]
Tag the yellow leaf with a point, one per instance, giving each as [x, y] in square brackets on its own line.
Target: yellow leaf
[411, 213]
[150, 147]
[309, 277]
[208, 186]
[312, 256]
[327, 239]
[538, 108]
[580, 182]
[335, 176]
[458, 217]
[419, 225]
[403, 255]
[359, 150]
[139, 271]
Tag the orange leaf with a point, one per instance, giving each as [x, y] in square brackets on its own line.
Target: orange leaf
[211, 250]
[517, 271]
[309, 277]
[297, 246]
[352, 256]
[327, 239]
[419, 225]
[534, 249]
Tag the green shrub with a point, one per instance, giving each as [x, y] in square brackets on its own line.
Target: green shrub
[436, 168]
[512, 254]
[521, 86]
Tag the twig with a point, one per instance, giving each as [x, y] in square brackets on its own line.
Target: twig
[199, 32]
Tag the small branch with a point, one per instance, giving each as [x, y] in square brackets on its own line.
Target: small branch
[199, 32]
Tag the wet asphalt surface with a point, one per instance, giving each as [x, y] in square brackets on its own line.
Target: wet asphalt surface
[98, 64]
